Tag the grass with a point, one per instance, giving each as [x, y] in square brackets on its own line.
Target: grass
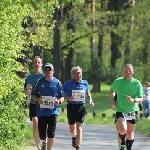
[29, 132]
[102, 106]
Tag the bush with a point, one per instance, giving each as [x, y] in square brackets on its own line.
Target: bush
[13, 120]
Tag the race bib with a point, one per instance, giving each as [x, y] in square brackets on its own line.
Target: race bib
[129, 115]
[48, 102]
[79, 95]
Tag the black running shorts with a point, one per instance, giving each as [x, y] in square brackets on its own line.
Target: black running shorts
[47, 126]
[75, 113]
[32, 111]
[133, 121]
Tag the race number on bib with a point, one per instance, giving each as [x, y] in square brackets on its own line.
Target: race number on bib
[79, 95]
[48, 102]
[129, 115]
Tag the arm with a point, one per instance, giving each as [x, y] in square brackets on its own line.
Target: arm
[139, 95]
[135, 100]
[27, 89]
[69, 98]
[35, 98]
[90, 99]
[113, 102]
[35, 93]
[59, 101]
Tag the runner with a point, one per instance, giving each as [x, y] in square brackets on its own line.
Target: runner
[29, 82]
[75, 90]
[129, 94]
[48, 94]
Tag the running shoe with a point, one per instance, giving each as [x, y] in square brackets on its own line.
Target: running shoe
[74, 143]
[43, 147]
[122, 147]
[77, 148]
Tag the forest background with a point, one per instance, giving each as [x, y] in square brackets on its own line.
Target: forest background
[100, 36]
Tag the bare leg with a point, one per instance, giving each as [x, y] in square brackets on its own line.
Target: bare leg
[73, 130]
[73, 133]
[79, 133]
[35, 132]
[130, 135]
[119, 140]
[50, 143]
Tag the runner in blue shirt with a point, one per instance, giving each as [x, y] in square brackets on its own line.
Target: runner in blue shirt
[48, 93]
[29, 82]
[75, 90]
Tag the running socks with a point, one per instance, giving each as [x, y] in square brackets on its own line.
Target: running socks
[129, 144]
[74, 142]
[122, 137]
[77, 147]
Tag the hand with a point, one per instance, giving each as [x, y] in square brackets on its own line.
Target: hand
[113, 105]
[91, 104]
[40, 100]
[56, 101]
[27, 92]
[72, 98]
[130, 99]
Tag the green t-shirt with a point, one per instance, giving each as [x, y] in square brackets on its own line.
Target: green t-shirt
[125, 88]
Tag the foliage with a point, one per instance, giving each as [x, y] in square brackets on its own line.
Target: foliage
[13, 41]
[12, 116]
[13, 120]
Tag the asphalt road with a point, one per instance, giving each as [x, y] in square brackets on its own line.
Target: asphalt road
[95, 137]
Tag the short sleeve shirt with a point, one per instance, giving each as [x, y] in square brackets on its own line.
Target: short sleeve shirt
[31, 79]
[125, 88]
[70, 87]
[47, 88]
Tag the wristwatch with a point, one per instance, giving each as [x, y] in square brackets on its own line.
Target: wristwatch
[134, 100]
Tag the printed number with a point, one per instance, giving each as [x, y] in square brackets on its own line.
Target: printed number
[47, 103]
[130, 114]
[81, 96]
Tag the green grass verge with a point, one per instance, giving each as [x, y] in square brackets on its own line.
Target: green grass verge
[102, 106]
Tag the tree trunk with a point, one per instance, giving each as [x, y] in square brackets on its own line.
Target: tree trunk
[57, 55]
[127, 52]
[70, 62]
[93, 54]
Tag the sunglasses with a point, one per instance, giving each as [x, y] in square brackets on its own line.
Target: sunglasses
[47, 69]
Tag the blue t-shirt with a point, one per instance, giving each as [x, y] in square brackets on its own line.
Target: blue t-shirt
[31, 79]
[72, 86]
[48, 88]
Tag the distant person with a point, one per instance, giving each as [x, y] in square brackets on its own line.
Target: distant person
[48, 94]
[75, 90]
[29, 82]
[146, 100]
[129, 93]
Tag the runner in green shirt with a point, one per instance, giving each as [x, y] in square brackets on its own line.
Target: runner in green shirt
[129, 94]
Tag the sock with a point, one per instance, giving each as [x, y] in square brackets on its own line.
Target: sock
[73, 138]
[129, 144]
[122, 137]
[77, 147]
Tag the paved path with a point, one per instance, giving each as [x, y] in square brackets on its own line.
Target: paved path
[95, 137]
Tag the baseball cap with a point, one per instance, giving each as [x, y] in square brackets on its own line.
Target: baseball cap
[49, 65]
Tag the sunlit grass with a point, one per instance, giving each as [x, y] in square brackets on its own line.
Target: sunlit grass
[29, 132]
[102, 106]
